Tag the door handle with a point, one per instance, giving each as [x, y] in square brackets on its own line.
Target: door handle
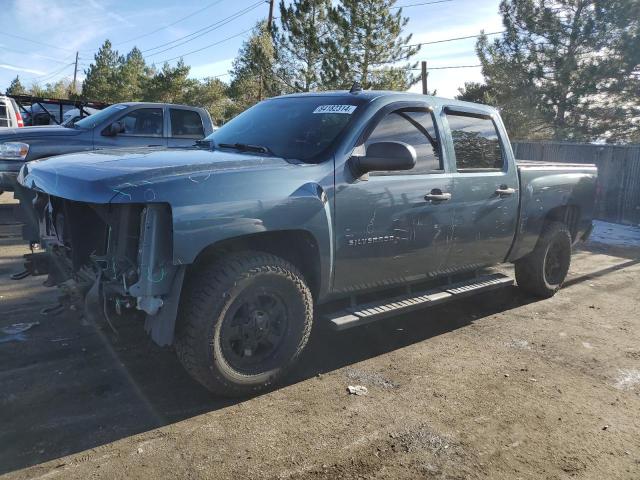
[505, 191]
[158, 145]
[437, 196]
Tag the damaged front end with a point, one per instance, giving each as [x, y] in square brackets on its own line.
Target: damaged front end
[110, 259]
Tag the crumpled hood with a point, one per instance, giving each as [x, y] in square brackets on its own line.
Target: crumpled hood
[134, 175]
[26, 133]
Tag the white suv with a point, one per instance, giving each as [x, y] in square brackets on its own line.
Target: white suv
[10, 113]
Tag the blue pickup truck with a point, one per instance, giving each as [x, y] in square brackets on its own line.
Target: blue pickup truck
[120, 125]
[227, 249]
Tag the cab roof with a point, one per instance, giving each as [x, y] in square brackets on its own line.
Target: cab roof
[157, 104]
[371, 95]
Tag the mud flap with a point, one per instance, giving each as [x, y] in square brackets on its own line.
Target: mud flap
[30, 227]
[161, 327]
[93, 303]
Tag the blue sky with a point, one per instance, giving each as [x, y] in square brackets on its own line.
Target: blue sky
[59, 28]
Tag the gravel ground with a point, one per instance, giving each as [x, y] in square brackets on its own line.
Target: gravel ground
[501, 386]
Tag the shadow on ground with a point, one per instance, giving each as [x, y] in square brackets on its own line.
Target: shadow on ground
[68, 387]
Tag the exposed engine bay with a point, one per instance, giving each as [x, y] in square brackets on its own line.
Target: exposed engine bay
[109, 259]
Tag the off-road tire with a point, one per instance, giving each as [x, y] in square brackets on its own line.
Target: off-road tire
[208, 295]
[531, 271]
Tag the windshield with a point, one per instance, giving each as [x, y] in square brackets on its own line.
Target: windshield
[292, 128]
[96, 118]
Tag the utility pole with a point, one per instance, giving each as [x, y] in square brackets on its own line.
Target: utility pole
[424, 77]
[269, 22]
[270, 15]
[72, 87]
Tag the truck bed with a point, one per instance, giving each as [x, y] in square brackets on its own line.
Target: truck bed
[539, 163]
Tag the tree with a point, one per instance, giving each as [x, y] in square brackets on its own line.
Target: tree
[16, 87]
[304, 26]
[211, 94]
[367, 45]
[171, 84]
[102, 81]
[254, 75]
[132, 77]
[565, 68]
[517, 109]
[59, 89]
[474, 92]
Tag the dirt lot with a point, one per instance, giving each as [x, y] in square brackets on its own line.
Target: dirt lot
[499, 387]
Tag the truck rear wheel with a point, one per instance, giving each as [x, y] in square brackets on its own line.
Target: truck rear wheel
[243, 322]
[543, 271]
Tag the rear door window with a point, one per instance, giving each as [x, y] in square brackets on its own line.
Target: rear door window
[186, 124]
[476, 142]
[144, 122]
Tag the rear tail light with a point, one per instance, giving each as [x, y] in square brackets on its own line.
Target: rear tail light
[19, 119]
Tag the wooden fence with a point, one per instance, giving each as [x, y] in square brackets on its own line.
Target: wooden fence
[618, 192]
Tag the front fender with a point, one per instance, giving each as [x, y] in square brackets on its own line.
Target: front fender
[197, 227]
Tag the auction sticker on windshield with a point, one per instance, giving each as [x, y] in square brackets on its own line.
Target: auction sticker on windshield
[348, 109]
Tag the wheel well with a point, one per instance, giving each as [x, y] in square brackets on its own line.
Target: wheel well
[567, 214]
[296, 246]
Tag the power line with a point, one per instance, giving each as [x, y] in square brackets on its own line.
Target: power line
[171, 24]
[420, 4]
[452, 39]
[51, 59]
[49, 76]
[204, 30]
[450, 67]
[206, 46]
[34, 41]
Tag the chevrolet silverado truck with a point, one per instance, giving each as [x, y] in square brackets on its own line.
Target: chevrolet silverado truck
[367, 203]
[117, 126]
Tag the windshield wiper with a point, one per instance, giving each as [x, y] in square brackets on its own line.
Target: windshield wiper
[204, 143]
[245, 147]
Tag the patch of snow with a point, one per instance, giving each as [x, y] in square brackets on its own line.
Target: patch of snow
[628, 379]
[615, 234]
[519, 344]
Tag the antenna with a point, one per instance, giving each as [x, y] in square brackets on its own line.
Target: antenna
[356, 88]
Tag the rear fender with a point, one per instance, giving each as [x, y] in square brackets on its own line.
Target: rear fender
[548, 196]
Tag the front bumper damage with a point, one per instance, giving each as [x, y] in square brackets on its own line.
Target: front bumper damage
[110, 260]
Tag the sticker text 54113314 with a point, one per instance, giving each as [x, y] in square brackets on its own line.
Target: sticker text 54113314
[347, 109]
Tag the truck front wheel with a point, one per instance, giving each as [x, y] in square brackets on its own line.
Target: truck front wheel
[543, 271]
[244, 320]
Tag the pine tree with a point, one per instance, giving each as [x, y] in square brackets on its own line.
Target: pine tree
[211, 94]
[102, 83]
[367, 45]
[565, 68]
[171, 84]
[304, 28]
[16, 87]
[254, 75]
[59, 89]
[133, 77]
[474, 92]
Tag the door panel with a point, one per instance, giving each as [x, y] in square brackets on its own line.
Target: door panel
[485, 196]
[484, 222]
[387, 232]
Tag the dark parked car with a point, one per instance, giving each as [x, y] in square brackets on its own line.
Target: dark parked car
[300, 201]
[117, 126]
